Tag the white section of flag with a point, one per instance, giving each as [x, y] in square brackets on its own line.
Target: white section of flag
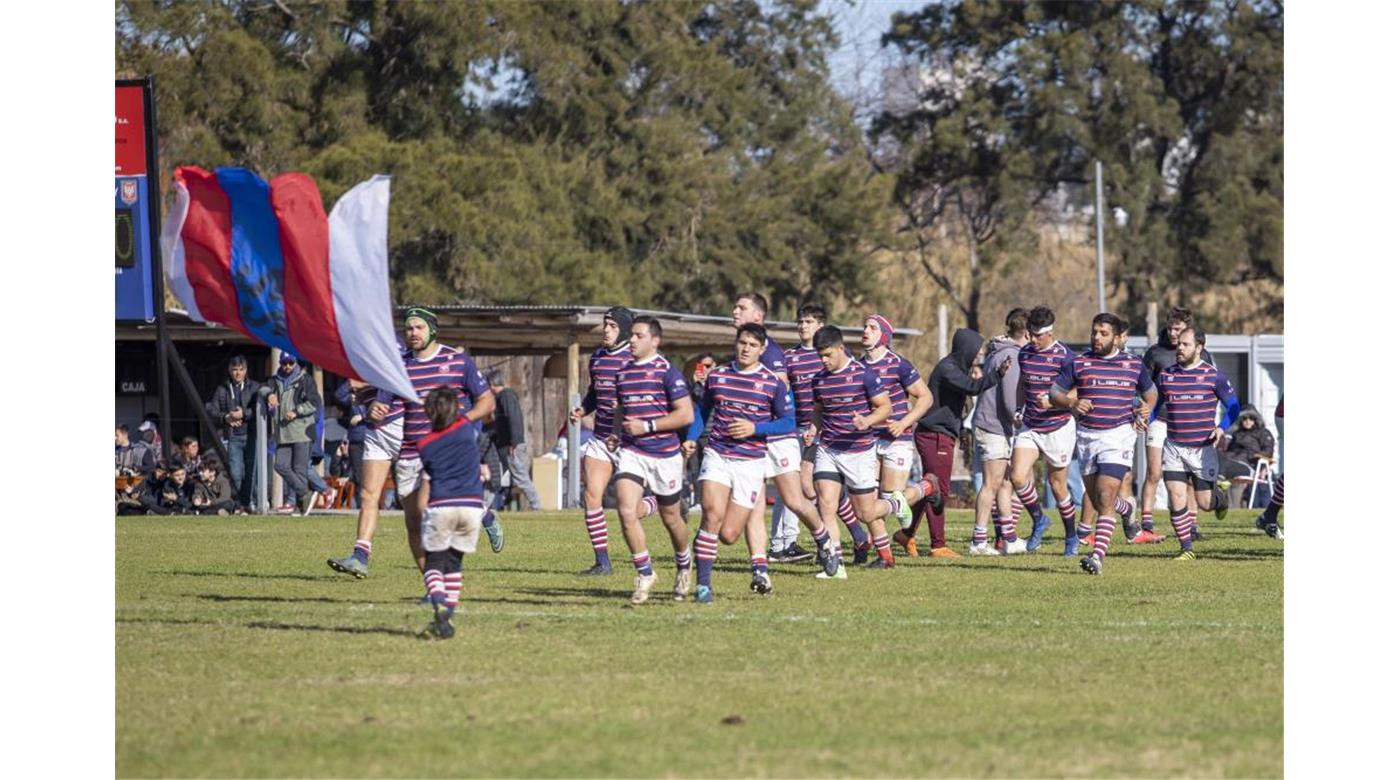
[359, 236]
[172, 246]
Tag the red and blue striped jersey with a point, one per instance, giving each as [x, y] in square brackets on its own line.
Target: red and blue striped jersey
[1038, 373]
[731, 395]
[453, 464]
[803, 365]
[1112, 383]
[774, 360]
[896, 374]
[448, 367]
[1187, 401]
[601, 400]
[649, 390]
[368, 394]
[842, 395]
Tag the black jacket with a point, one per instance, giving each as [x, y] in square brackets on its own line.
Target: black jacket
[510, 420]
[1163, 354]
[951, 385]
[1248, 445]
[229, 397]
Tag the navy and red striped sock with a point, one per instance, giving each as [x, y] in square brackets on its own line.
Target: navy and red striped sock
[706, 550]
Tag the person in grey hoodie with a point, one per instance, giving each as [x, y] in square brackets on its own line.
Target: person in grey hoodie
[936, 435]
[293, 402]
[993, 426]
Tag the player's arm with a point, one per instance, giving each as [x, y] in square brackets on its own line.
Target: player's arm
[880, 409]
[783, 419]
[697, 425]
[920, 401]
[682, 414]
[1226, 394]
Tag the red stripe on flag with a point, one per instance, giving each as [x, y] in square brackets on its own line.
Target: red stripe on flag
[207, 235]
[306, 258]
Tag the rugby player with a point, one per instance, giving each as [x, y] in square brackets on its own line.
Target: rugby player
[453, 519]
[993, 424]
[1105, 382]
[748, 403]
[895, 446]
[599, 462]
[653, 403]
[1187, 393]
[1042, 430]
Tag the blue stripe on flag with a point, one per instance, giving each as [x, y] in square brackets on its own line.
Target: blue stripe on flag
[256, 257]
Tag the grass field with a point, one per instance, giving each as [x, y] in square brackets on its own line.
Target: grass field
[240, 653]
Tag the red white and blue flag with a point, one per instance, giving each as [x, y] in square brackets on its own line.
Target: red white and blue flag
[263, 258]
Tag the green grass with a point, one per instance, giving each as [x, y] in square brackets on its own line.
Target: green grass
[239, 653]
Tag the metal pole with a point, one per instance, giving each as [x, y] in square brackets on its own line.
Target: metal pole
[571, 497]
[942, 330]
[260, 461]
[167, 425]
[1098, 218]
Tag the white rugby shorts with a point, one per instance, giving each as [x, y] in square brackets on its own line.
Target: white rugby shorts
[1097, 447]
[383, 442]
[860, 471]
[897, 455]
[991, 446]
[408, 472]
[1157, 434]
[662, 475]
[1203, 463]
[743, 476]
[784, 455]
[1056, 446]
[597, 449]
[451, 526]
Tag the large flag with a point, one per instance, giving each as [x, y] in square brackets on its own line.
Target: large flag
[264, 259]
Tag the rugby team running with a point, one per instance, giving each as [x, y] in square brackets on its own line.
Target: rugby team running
[834, 431]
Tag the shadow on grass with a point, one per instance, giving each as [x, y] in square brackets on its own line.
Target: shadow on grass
[248, 575]
[219, 597]
[276, 626]
[585, 592]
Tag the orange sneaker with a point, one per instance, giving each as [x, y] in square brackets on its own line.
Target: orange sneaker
[911, 547]
[943, 552]
[1147, 537]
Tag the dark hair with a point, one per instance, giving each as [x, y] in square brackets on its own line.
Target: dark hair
[828, 336]
[161, 465]
[212, 464]
[759, 301]
[753, 329]
[1040, 317]
[703, 355]
[1016, 321]
[1113, 321]
[652, 323]
[1197, 333]
[814, 310]
[441, 407]
[237, 361]
[174, 467]
[188, 440]
[122, 427]
[493, 377]
[1181, 314]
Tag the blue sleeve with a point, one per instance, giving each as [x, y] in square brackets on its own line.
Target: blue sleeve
[908, 374]
[697, 423]
[1065, 379]
[472, 381]
[1226, 394]
[784, 418]
[675, 385]
[1158, 407]
[1144, 382]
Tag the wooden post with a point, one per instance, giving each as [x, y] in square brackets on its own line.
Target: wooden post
[942, 330]
[571, 470]
[1151, 323]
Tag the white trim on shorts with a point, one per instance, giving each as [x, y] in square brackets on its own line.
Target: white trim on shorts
[1056, 446]
[859, 470]
[451, 526]
[782, 456]
[383, 442]
[743, 477]
[1111, 446]
[664, 476]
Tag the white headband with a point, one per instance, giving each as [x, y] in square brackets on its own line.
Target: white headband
[1043, 330]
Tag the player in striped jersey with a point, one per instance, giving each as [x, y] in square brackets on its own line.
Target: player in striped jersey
[851, 404]
[748, 403]
[1101, 386]
[1187, 393]
[1042, 430]
[382, 440]
[653, 403]
[455, 512]
[910, 399]
[600, 463]
[431, 365]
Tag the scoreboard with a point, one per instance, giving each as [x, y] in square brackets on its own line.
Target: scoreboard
[135, 285]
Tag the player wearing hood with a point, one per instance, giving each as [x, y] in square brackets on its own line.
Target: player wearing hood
[993, 425]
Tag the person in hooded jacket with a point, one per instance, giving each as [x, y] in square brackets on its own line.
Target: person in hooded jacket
[937, 433]
[1250, 442]
[993, 426]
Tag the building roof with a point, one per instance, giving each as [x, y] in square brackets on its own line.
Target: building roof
[521, 329]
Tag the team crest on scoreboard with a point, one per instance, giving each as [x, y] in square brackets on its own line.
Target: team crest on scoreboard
[129, 191]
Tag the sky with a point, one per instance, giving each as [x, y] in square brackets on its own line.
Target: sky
[860, 24]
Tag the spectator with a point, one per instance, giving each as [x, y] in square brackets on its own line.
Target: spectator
[704, 364]
[151, 423]
[143, 498]
[293, 400]
[174, 496]
[318, 454]
[509, 438]
[355, 418]
[1250, 442]
[343, 462]
[188, 456]
[212, 495]
[133, 458]
[232, 409]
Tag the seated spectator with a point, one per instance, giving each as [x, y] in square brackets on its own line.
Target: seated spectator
[212, 494]
[144, 498]
[187, 455]
[174, 493]
[1250, 442]
[133, 457]
[150, 426]
[342, 465]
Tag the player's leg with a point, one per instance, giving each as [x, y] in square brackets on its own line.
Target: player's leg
[1147, 502]
[826, 478]
[629, 495]
[597, 473]
[375, 473]
[1268, 522]
[994, 483]
[747, 487]
[1025, 450]
[1176, 503]
[714, 505]
[415, 504]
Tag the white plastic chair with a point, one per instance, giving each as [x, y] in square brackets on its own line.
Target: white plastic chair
[1263, 473]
